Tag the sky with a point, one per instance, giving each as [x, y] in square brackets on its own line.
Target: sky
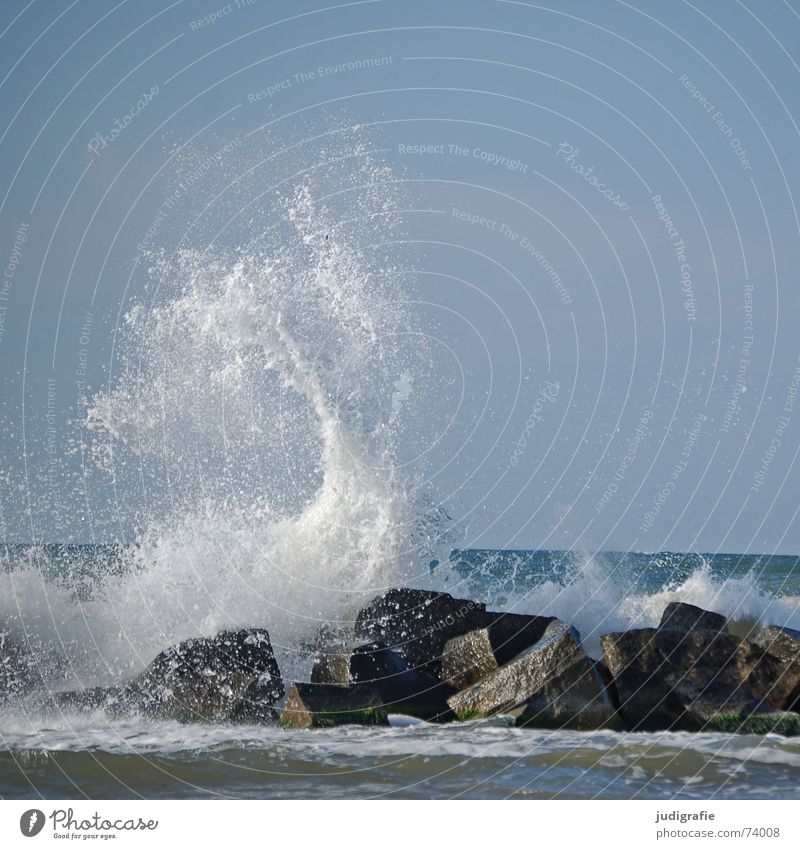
[601, 207]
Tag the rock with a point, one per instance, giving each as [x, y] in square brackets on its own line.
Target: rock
[742, 722]
[19, 670]
[608, 681]
[679, 616]
[114, 702]
[417, 624]
[551, 685]
[472, 656]
[204, 679]
[230, 677]
[668, 679]
[331, 669]
[325, 705]
[255, 705]
[783, 643]
[401, 688]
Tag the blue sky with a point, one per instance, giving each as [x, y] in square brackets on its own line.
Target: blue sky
[606, 196]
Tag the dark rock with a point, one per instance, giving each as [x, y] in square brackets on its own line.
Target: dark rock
[668, 679]
[233, 676]
[512, 633]
[19, 668]
[679, 616]
[551, 685]
[401, 688]
[783, 643]
[418, 623]
[113, 701]
[255, 705]
[325, 705]
[204, 679]
[608, 681]
[472, 656]
[331, 669]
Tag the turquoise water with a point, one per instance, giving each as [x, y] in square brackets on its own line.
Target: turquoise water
[775, 574]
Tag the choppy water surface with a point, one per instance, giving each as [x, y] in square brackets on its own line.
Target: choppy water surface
[473, 760]
[80, 756]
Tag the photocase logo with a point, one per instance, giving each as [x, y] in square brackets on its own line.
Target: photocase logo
[31, 822]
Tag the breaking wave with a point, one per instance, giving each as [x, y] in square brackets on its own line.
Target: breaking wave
[252, 430]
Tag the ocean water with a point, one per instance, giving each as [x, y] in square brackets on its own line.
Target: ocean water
[268, 438]
[77, 756]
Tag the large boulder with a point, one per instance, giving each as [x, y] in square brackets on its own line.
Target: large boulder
[326, 705]
[551, 685]
[472, 656]
[231, 677]
[668, 679]
[679, 616]
[781, 642]
[204, 679]
[418, 623]
[401, 688]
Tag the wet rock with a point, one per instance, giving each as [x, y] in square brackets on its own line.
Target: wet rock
[679, 616]
[331, 669]
[19, 669]
[401, 688]
[111, 700]
[783, 643]
[326, 705]
[742, 722]
[418, 623]
[668, 679]
[608, 681]
[472, 656]
[230, 677]
[551, 685]
[203, 679]
[256, 704]
[331, 648]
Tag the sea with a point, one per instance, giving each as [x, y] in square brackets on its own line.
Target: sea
[91, 757]
[280, 437]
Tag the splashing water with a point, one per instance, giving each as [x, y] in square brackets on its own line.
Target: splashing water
[604, 593]
[252, 430]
